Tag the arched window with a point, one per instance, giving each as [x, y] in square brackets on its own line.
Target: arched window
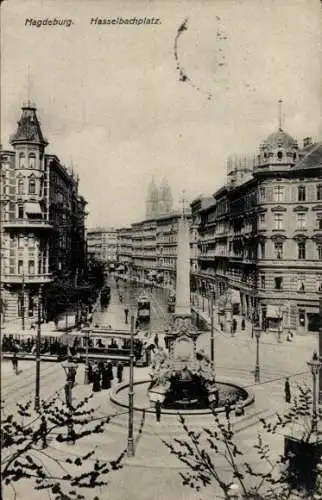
[31, 160]
[280, 155]
[21, 186]
[21, 160]
[32, 186]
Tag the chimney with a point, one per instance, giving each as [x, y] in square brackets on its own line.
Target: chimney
[307, 141]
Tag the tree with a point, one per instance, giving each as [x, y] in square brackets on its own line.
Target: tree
[271, 479]
[25, 452]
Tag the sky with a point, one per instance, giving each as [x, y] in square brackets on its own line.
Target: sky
[111, 101]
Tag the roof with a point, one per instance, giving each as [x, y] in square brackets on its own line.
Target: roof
[313, 159]
[28, 127]
[280, 139]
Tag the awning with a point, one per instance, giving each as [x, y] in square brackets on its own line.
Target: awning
[235, 297]
[33, 208]
[273, 312]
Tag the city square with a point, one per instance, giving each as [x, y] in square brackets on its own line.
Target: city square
[161, 252]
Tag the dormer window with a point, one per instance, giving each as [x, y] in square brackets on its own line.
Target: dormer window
[279, 155]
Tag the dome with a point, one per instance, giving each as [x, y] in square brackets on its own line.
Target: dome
[280, 139]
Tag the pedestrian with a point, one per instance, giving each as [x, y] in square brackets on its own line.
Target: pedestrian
[121, 298]
[156, 340]
[287, 390]
[158, 410]
[119, 372]
[96, 379]
[234, 325]
[243, 324]
[227, 409]
[15, 362]
[126, 312]
[221, 326]
[43, 431]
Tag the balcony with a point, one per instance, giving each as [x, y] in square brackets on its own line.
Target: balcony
[26, 223]
[28, 278]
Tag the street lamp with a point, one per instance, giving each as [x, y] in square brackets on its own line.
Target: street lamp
[70, 369]
[212, 333]
[86, 380]
[257, 336]
[320, 343]
[233, 492]
[38, 343]
[130, 440]
[315, 366]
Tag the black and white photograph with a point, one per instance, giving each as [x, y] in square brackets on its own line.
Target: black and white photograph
[161, 249]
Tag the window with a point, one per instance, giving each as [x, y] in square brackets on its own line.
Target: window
[301, 193]
[280, 155]
[319, 249]
[278, 220]
[32, 186]
[278, 248]
[31, 267]
[32, 160]
[263, 281]
[20, 266]
[20, 186]
[319, 221]
[302, 317]
[278, 281]
[20, 212]
[21, 160]
[301, 250]
[262, 193]
[301, 221]
[20, 241]
[319, 192]
[278, 193]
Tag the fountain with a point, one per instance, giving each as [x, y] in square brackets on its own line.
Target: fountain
[182, 376]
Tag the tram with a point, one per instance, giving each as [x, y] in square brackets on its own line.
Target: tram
[105, 295]
[143, 308]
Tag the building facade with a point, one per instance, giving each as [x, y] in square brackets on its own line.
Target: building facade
[42, 220]
[260, 240]
[102, 244]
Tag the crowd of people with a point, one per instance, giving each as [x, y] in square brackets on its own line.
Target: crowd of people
[101, 374]
[11, 343]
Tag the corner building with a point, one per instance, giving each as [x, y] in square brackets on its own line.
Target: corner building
[261, 239]
[42, 221]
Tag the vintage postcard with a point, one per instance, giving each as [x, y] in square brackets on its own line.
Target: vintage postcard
[161, 249]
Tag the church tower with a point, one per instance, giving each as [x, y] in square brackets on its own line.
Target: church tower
[152, 200]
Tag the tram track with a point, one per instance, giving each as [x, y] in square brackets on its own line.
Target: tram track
[12, 392]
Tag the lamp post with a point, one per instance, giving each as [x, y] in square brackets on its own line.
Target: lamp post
[212, 332]
[38, 343]
[70, 369]
[23, 302]
[130, 441]
[86, 381]
[257, 369]
[320, 345]
[315, 366]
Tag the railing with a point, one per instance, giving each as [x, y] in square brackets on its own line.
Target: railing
[28, 278]
[27, 223]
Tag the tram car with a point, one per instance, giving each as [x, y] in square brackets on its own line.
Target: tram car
[143, 309]
[105, 295]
